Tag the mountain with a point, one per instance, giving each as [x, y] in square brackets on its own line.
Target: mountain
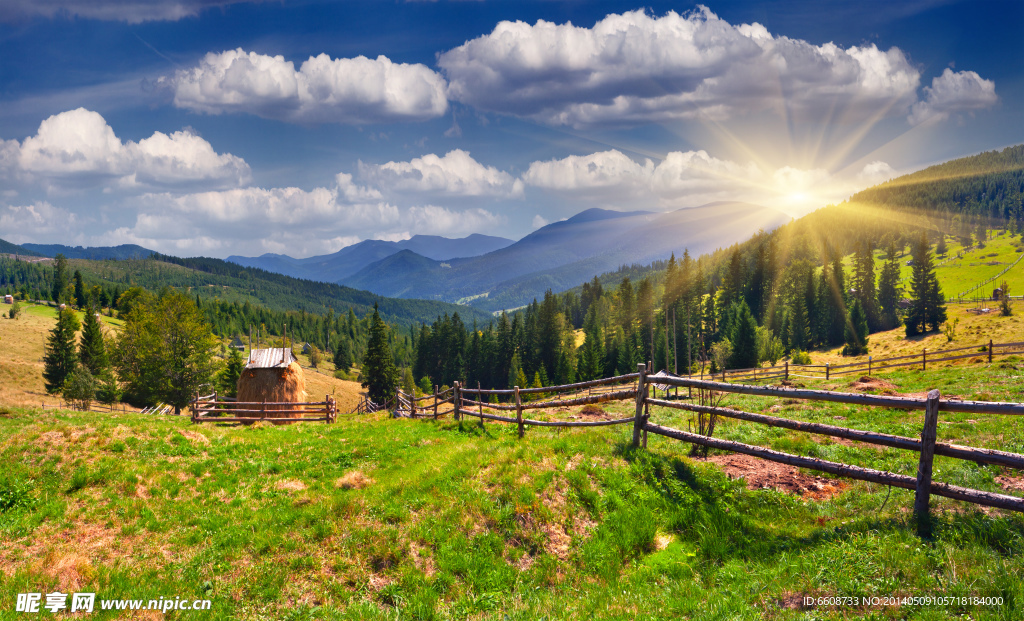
[562, 254]
[349, 260]
[7, 247]
[98, 253]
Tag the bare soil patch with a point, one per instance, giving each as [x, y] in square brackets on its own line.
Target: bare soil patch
[353, 480]
[762, 474]
[1011, 483]
[867, 383]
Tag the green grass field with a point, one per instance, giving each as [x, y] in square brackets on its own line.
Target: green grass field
[373, 518]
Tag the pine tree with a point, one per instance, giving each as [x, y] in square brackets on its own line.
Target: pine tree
[79, 290]
[227, 379]
[889, 291]
[516, 377]
[856, 331]
[744, 338]
[60, 277]
[864, 283]
[379, 372]
[592, 356]
[60, 358]
[799, 325]
[92, 351]
[927, 308]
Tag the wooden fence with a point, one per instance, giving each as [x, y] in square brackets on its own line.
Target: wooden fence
[637, 387]
[788, 370]
[211, 408]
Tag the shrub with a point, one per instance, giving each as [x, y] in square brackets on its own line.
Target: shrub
[799, 357]
[14, 493]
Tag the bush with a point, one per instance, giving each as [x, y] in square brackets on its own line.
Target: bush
[15, 311]
[14, 493]
[79, 388]
[799, 357]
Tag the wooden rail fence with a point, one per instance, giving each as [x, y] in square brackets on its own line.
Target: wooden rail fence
[211, 408]
[637, 387]
[787, 370]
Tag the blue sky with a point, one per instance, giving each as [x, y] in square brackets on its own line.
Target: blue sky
[220, 127]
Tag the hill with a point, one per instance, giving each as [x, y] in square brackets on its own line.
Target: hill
[217, 280]
[349, 260]
[560, 255]
[381, 518]
[7, 247]
[93, 253]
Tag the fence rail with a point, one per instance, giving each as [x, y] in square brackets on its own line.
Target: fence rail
[211, 408]
[926, 447]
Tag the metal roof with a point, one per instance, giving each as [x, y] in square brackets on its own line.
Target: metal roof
[273, 358]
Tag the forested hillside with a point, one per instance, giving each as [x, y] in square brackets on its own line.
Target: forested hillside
[813, 283]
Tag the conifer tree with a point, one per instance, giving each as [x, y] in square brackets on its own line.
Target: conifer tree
[92, 351]
[60, 277]
[592, 355]
[864, 283]
[889, 291]
[927, 308]
[379, 372]
[799, 325]
[856, 331]
[744, 338]
[60, 358]
[79, 290]
[343, 358]
[227, 379]
[516, 377]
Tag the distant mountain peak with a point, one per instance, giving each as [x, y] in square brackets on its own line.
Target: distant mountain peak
[595, 214]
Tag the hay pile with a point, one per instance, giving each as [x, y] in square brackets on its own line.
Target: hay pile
[281, 385]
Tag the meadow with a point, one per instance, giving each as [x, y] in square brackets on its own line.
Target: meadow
[376, 518]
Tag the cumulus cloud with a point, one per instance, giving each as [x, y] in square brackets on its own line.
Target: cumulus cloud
[635, 67]
[952, 92]
[78, 149]
[597, 172]
[323, 90]
[39, 221]
[876, 172]
[131, 11]
[454, 174]
[288, 220]
[613, 174]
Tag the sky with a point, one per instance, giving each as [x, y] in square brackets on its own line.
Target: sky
[219, 127]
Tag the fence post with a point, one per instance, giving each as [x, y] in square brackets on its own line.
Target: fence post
[457, 400]
[990, 350]
[869, 365]
[263, 409]
[641, 390]
[924, 466]
[412, 404]
[519, 413]
[480, 401]
[924, 359]
[826, 370]
[787, 370]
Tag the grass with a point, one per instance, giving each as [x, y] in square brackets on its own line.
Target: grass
[374, 518]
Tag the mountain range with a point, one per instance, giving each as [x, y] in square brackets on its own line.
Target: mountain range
[93, 253]
[350, 260]
[557, 256]
[563, 254]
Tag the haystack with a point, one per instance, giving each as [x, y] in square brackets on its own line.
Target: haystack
[274, 376]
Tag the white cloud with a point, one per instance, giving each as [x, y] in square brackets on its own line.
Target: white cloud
[539, 221]
[635, 67]
[323, 90]
[77, 149]
[597, 172]
[131, 11]
[454, 174]
[876, 172]
[952, 92]
[696, 172]
[288, 220]
[39, 221]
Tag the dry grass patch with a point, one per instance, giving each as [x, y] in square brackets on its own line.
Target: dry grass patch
[290, 485]
[353, 480]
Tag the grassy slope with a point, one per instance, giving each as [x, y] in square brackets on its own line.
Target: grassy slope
[23, 341]
[459, 523]
[977, 265]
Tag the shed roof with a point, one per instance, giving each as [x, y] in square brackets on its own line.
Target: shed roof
[272, 358]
